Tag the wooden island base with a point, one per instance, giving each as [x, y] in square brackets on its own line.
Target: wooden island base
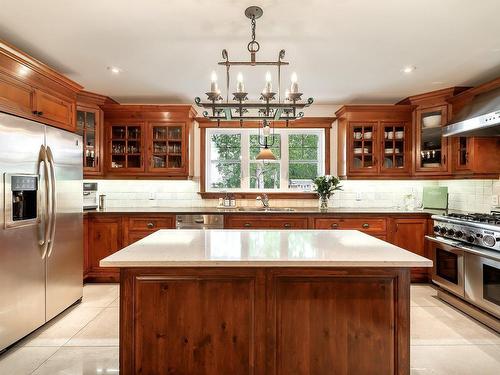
[272, 321]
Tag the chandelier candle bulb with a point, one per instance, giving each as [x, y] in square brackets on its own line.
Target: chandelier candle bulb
[269, 86]
[239, 85]
[295, 86]
[266, 130]
[213, 84]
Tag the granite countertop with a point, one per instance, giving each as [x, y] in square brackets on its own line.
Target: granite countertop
[251, 210]
[262, 248]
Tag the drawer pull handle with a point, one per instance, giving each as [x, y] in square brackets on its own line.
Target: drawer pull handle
[334, 225]
[365, 225]
[247, 225]
[150, 225]
[287, 225]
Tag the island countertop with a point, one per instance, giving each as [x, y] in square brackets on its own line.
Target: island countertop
[262, 248]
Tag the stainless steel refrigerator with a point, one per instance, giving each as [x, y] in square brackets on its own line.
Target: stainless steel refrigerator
[41, 245]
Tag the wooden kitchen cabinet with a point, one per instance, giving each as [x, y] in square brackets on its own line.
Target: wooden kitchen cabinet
[409, 234]
[105, 237]
[138, 227]
[374, 141]
[90, 125]
[476, 156]
[55, 109]
[367, 225]
[148, 141]
[125, 151]
[265, 222]
[432, 150]
[34, 91]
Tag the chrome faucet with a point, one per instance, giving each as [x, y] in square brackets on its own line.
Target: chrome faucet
[264, 200]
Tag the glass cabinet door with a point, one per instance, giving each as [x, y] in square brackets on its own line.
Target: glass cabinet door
[166, 147]
[126, 146]
[395, 138]
[362, 150]
[86, 123]
[462, 153]
[431, 145]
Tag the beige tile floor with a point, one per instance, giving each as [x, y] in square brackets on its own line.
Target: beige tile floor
[84, 340]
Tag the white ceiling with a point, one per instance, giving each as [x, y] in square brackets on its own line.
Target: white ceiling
[344, 51]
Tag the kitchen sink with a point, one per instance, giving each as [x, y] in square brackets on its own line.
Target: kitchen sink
[266, 209]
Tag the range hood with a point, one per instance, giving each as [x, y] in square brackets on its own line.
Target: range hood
[480, 117]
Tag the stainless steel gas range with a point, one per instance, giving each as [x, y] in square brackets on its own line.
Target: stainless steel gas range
[466, 254]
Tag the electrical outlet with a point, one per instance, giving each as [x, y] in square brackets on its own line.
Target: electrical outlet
[152, 196]
[494, 200]
[358, 196]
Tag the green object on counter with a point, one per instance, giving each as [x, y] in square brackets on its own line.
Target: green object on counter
[435, 197]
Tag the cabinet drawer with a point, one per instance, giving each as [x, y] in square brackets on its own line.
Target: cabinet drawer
[368, 225]
[266, 222]
[151, 223]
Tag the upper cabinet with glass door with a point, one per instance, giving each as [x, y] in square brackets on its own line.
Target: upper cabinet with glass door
[88, 123]
[166, 143]
[374, 141]
[362, 149]
[432, 149]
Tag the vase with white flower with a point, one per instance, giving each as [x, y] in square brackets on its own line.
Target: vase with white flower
[325, 187]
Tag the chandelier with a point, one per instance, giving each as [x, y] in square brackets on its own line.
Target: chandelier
[270, 106]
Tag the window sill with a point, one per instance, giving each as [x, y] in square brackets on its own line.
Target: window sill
[251, 195]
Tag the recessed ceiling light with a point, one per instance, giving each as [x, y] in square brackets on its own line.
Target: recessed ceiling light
[114, 69]
[408, 69]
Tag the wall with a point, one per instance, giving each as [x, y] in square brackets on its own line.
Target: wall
[465, 195]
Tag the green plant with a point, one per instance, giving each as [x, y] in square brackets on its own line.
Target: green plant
[326, 185]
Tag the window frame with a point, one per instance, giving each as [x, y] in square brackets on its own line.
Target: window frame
[245, 161]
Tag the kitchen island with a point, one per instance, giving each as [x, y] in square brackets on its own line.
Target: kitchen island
[264, 302]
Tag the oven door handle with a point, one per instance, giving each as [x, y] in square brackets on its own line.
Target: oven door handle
[444, 241]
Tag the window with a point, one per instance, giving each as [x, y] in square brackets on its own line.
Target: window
[232, 165]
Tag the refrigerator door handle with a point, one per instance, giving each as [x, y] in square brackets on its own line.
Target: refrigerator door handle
[44, 230]
[52, 171]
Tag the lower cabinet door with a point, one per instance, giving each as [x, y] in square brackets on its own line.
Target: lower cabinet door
[409, 234]
[105, 238]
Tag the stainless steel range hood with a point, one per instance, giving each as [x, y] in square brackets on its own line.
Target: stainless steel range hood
[480, 117]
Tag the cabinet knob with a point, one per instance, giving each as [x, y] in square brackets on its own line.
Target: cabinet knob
[39, 113]
[334, 225]
[34, 112]
[247, 225]
[150, 225]
[365, 225]
[287, 225]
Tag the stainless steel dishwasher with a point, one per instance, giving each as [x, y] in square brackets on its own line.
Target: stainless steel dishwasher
[193, 221]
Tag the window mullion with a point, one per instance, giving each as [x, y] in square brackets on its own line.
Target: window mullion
[284, 161]
[245, 159]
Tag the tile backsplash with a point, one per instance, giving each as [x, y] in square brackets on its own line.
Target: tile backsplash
[464, 195]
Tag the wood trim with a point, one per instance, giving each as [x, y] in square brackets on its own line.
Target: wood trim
[432, 96]
[252, 195]
[382, 108]
[91, 98]
[306, 122]
[471, 92]
[170, 111]
[36, 65]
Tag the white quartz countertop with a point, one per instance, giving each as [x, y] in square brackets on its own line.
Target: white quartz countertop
[262, 248]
